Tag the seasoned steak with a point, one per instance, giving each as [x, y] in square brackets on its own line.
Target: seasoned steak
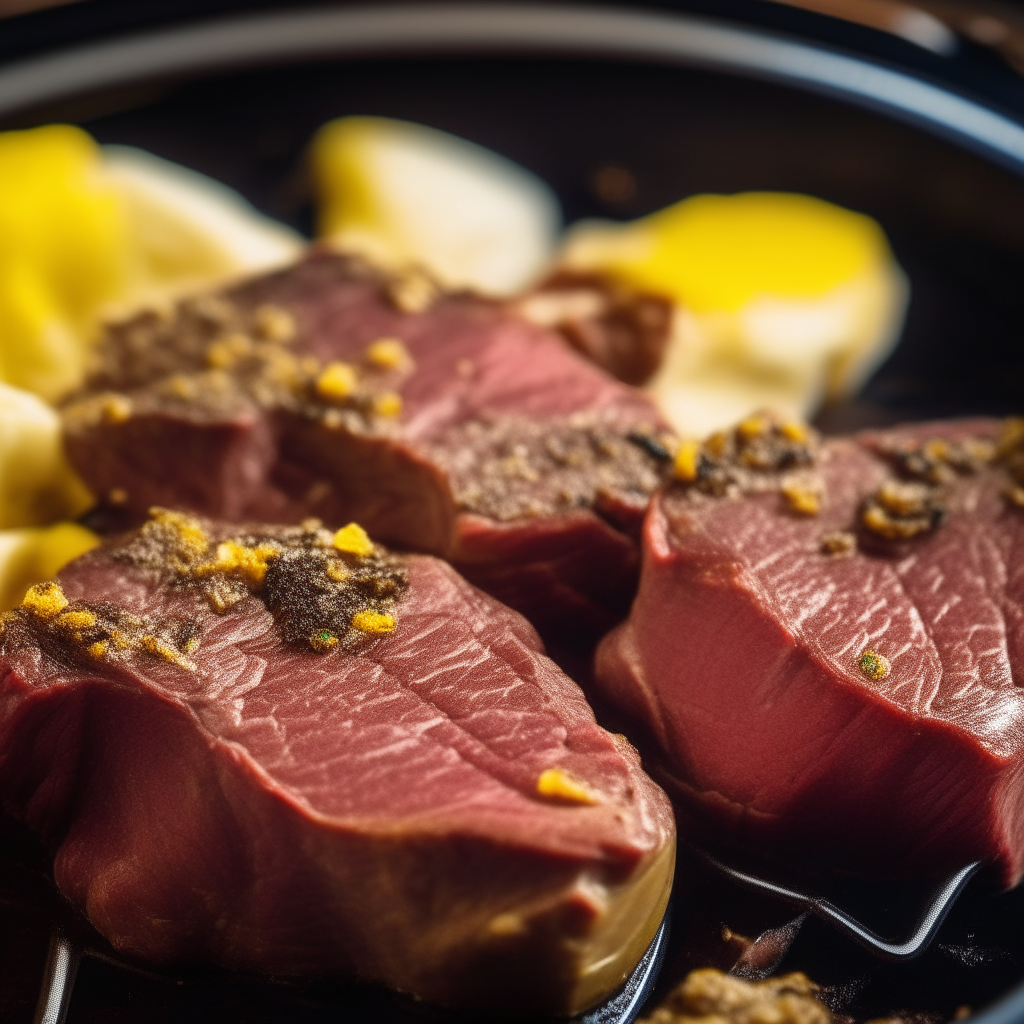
[828, 645]
[444, 423]
[282, 749]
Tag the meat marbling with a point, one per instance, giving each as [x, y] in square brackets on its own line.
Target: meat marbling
[284, 750]
[464, 432]
[828, 646]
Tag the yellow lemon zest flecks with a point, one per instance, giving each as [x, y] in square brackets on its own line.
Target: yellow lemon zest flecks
[248, 562]
[388, 354]
[389, 404]
[802, 499]
[874, 665]
[191, 538]
[559, 785]
[81, 619]
[154, 645]
[336, 382]
[686, 461]
[353, 540]
[368, 621]
[45, 599]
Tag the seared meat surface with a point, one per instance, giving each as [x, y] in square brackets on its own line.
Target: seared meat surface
[828, 645]
[286, 750]
[445, 424]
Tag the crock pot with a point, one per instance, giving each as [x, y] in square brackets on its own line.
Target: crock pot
[924, 132]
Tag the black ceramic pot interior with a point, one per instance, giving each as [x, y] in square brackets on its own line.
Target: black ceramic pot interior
[956, 222]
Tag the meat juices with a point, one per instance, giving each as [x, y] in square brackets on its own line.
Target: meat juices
[828, 646]
[283, 750]
[445, 424]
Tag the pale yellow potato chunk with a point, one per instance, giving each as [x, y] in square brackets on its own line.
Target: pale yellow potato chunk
[784, 301]
[37, 484]
[63, 254]
[404, 194]
[85, 234]
[29, 556]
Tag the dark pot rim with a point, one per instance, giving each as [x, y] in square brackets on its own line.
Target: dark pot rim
[175, 48]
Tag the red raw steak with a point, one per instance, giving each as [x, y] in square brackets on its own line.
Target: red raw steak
[829, 646]
[479, 437]
[361, 765]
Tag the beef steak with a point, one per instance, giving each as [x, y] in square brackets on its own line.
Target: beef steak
[285, 750]
[828, 645]
[445, 423]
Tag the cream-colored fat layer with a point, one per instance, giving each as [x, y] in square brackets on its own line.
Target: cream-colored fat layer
[631, 918]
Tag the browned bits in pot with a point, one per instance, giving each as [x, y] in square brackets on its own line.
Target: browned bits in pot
[623, 330]
[708, 996]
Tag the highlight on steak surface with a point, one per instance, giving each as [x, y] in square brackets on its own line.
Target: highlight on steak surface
[828, 645]
[284, 749]
[444, 423]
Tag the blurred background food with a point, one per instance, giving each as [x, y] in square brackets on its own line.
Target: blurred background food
[767, 299]
[37, 484]
[405, 194]
[33, 554]
[89, 233]
[39, 495]
[783, 301]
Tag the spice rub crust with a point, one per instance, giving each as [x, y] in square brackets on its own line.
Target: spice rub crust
[509, 468]
[324, 590]
[765, 453]
[444, 423]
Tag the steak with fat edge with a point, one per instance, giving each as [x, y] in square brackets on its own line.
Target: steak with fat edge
[285, 750]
